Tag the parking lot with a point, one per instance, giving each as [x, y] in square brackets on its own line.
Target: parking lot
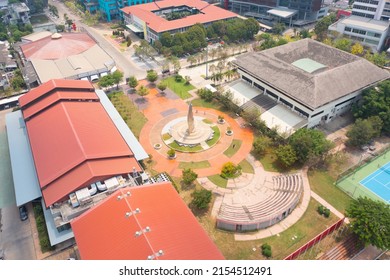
[15, 235]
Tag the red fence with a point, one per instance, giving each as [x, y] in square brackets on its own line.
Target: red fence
[315, 240]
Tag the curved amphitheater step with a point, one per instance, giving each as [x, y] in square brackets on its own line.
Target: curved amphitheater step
[261, 204]
[346, 250]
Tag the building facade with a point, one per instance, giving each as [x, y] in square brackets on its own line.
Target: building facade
[152, 20]
[368, 24]
[111, 9]
[311, 79]
[305, 10]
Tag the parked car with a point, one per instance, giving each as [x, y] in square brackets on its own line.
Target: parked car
[1, 254]
[23, 213]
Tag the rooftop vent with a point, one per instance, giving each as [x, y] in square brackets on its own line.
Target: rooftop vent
[138, 233]
[118, 197]
[147, 229]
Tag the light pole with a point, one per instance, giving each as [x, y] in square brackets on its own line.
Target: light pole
[207, 61]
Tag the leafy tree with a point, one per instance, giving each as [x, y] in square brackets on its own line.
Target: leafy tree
[261, 144]
[143, 91]
[286, 155]
[201, 198]
[151, 76]
[364, 130]
[376, 102]
[309, 144]
[133, 82]
[379, 59]
[17, 82]
[343, 44]
[370, 221]
[357, 49]
[279, 28]
[176, 64]
[205, 94]
[166, 39]
[188, 176]
[162, 86]
[304, 33]
[105, 81]
[321, 27]
[117, 77]
[230, 170]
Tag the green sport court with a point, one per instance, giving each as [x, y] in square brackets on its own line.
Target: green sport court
[371, 180]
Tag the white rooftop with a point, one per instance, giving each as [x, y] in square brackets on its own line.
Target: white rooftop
[282, 12]
[366, 23]
[282, 118]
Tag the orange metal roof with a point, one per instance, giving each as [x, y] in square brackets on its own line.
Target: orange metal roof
[73, 142]
[48, 87]
[50, 49]
[105, 233]
[209, 13]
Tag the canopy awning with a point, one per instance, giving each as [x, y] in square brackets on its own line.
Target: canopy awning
[134, 28]
[282, 12]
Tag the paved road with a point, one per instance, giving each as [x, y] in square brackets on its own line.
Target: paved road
[122, 60]
[15, 235]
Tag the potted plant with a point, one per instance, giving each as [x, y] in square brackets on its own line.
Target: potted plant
[229, 131]
[221, 119]
[171, 153]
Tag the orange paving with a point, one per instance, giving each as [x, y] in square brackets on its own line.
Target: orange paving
[151, 135]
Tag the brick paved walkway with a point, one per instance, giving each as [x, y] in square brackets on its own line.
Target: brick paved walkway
[157, 109]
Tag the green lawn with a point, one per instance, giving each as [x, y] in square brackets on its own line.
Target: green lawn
[194, 165]
[233, 148]
[246, 167]
[218, 180]
[176, 147]
[129, 112]
[179, 87]
[269, 162]
[322, 184]
[217, 135]
[199, 102]
[39, 19]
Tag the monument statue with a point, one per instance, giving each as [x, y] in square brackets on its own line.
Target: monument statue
[190, 120]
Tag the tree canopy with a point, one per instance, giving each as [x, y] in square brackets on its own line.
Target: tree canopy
[309, 144]
[363, 131]
[194, 39]
[321, 27]
[376, 102]
[370, 220]
[201, 198]
[188, 176]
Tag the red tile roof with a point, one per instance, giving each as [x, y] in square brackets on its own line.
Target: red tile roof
[51, 49]
[209, 13]
[74, 143]
[106, 233]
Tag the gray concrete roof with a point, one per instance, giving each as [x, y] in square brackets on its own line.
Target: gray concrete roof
[344, 73]
[23, 169]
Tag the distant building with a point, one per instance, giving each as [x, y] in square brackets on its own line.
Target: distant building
[291, 12]
[18, 13]
[304, 83]
[151, 20]
[31, 4]
[64, 56]
[368, 32]
[369, 24]
[110, 9]
[143, 223]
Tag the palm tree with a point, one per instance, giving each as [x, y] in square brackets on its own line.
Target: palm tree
[191, 60]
